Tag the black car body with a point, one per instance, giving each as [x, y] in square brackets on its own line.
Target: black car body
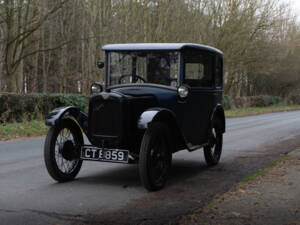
[153, 93]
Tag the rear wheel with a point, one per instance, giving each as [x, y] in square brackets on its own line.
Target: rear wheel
[62, 150]
[213, 151]
[155, 156]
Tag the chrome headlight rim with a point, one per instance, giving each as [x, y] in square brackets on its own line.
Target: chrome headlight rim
[183, 91]
[96, 88]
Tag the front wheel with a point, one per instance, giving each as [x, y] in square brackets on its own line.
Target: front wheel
[62, 150]
[155, 156]
[213, 151]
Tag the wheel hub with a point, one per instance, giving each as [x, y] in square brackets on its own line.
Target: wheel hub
[68, 150]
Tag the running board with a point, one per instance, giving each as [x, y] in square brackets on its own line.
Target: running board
[192, 148]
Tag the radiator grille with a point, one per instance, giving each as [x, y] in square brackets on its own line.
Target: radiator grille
[106, 118]
[105, 122]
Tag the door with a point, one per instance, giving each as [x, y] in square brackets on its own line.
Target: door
[198, 74]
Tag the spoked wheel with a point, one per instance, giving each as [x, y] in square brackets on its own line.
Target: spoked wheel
[213, 151]
[62, 150]
[155, 157]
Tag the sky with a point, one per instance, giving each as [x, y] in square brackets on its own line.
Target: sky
[295, 6]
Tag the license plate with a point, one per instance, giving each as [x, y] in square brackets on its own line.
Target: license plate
[103, 154]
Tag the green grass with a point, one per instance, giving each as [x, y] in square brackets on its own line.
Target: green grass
[25, 129]
[260, 110]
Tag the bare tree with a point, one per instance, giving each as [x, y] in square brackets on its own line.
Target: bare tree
[53, 46]
[19, 21]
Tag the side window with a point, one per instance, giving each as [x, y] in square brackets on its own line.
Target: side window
[174, 69]
[141, 67]
[219, 72]
[198, 68]
[194, 71]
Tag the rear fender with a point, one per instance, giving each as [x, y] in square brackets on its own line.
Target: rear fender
[71, 111]
[218, 112]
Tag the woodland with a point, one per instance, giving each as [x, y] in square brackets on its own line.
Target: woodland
[52, 46]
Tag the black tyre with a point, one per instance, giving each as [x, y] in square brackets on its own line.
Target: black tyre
[213, 151]
[62, 150]
[155, 156]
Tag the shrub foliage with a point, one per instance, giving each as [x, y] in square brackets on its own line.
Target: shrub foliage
[14, 107]
[251, 101]
[256, 101]
[294, 99]
[226, 102]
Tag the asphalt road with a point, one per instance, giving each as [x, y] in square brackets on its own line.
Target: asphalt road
[111, 193]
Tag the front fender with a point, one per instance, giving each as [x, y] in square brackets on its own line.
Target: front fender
[72, 111]
[146, 118]
[154, 114]
[168, 117]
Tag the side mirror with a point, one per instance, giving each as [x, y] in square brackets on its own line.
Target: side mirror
[100, 64]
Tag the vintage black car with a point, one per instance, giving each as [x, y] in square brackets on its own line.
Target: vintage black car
[157, 99]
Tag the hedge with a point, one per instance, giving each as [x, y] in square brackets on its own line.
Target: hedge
[226, 102]
[15, 107]
[294, 100]
[255, 101]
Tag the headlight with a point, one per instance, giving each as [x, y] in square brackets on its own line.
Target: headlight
[183, 91]
[96, 88]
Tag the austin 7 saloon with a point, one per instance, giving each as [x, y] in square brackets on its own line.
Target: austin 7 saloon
[157, 99]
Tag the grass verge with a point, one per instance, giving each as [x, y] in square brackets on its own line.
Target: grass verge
[241, 184]
[33, 128]
[260, 110]
[262, 171]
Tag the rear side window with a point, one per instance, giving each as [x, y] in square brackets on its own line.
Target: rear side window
[198, 68]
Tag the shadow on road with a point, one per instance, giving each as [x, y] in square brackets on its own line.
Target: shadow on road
[128, 175]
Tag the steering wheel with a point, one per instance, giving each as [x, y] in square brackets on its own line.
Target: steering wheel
[135, 78]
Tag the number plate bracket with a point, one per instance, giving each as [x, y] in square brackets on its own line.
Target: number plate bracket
[93, 153]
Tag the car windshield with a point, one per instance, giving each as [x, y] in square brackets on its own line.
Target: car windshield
[157, 67]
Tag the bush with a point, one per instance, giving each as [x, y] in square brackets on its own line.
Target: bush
[270, 100]
[68, 99]
[15, 107]
[256, 101]
[294, 100]
[226, 102]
